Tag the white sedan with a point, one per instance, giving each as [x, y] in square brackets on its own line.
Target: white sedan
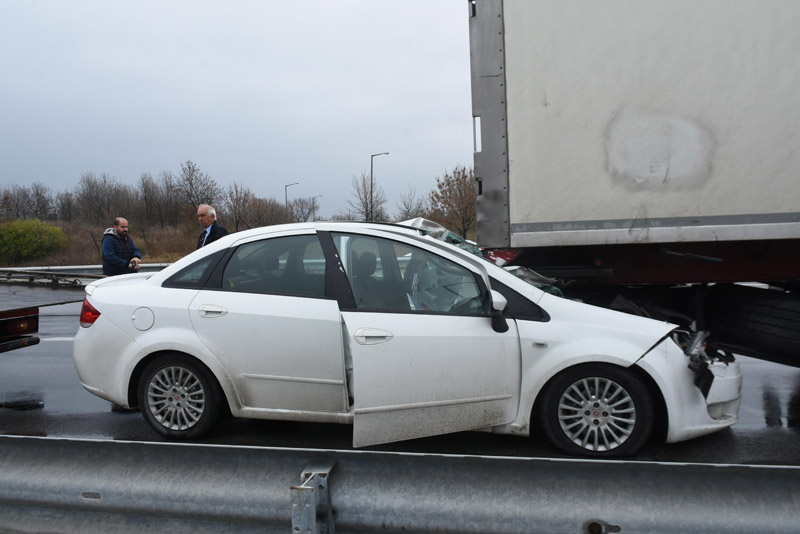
[394, 332]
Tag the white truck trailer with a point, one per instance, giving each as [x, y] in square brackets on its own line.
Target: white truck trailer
[647, 153]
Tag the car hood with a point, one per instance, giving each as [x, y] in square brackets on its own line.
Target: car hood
[593, 320]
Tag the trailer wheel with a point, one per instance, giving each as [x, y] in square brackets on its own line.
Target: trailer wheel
[597, 410]
[761, 323]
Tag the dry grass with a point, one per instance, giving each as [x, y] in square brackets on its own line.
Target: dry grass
[167, 245]
[157, 246]
[79, 250]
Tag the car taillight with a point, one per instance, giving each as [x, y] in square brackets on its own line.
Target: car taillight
[89, 314]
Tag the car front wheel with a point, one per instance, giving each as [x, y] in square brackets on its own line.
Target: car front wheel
[597, 410]
[179, 397]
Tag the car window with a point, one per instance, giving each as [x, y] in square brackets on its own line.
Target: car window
[387, 275]
[194, 275]
[519, 307]
[293, 265]
[313, 259]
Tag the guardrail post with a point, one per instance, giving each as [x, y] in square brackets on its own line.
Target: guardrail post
[311, 502]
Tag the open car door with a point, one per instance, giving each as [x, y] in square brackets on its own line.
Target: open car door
[426, 360]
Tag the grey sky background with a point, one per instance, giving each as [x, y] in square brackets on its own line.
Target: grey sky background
[263, 93]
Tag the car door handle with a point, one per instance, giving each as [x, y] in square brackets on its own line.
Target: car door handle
[211, 310]
[372, 336]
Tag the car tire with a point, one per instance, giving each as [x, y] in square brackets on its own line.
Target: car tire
[179, 397]
[597, 410]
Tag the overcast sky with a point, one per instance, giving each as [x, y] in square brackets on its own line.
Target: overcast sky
[263, 93]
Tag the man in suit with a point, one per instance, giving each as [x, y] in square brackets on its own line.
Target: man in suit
[207, 217]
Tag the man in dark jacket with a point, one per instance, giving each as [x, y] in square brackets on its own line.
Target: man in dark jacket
[207, 217]
[120, 255]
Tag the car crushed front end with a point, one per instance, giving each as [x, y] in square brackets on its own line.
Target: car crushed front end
[701, 391]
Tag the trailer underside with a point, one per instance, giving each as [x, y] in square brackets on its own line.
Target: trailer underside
[745, 293]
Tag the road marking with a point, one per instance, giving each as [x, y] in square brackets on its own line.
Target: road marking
[56, 338]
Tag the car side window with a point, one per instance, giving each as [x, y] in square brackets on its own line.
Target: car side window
[518, 306]
[293, 265]
[387, 275]
[194, 275]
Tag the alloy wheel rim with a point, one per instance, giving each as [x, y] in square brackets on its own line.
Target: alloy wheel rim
[176, 398]
[597, 414]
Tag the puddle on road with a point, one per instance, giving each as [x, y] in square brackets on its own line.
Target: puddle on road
[22, 405]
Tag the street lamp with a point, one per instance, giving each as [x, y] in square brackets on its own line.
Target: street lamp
[286, 193]
[314, 208]
[371, 206]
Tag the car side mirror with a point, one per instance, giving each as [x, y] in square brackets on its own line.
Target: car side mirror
[499, 305]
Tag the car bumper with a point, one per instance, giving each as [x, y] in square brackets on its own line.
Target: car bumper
[100, 353]
[690, 413]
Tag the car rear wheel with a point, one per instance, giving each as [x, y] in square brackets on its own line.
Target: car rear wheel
[179, 397]
[597, 410]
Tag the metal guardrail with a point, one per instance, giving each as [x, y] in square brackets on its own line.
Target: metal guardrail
[97, 487]
[64, 275]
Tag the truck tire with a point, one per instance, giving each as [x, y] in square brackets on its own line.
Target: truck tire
[756, 322]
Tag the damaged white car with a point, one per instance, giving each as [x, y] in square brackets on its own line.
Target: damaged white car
[392, 331]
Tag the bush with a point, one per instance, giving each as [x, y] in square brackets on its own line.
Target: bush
[29, 239]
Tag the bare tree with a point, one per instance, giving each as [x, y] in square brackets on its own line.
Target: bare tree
[160, 200]
[266, 212]
[344, 216]
[15, 202]
[249, 211]
[99, 200]
[453, 201]
[95, 196]
[169, 204]
[40, 202]
[65, 206]
[411, 206]
[368, 200]
[22, 202]
[148, 200]
[302, 209]
[237, 201]
[5, 205]
[198, 187]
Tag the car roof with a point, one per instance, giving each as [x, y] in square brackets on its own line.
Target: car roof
[332, 226]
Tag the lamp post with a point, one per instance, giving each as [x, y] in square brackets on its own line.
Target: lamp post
[314, 207]
[371, 203]
[286, 193]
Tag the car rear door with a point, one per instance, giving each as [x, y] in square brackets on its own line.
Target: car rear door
[426, 360]
[268, 320]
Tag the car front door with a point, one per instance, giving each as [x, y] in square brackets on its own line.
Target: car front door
[426, 360]
[268, 319]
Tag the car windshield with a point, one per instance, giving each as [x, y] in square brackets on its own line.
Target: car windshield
[437, 231]
[535, 279]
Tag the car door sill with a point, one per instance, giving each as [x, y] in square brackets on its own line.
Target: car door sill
[432, 404]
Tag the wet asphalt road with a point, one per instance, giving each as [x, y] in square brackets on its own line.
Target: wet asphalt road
[40, 396]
